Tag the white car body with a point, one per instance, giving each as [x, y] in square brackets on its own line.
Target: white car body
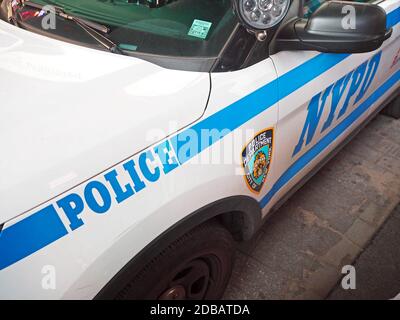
[78, 125]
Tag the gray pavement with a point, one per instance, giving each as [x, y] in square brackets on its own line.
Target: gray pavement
[299, 253]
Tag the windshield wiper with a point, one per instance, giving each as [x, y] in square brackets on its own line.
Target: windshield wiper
[89, 27]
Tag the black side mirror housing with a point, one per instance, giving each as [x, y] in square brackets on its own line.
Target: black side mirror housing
[330, 30]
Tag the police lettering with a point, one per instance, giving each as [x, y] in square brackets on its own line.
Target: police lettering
[119, 184]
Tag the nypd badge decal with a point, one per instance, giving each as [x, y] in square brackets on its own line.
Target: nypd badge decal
[256, 157]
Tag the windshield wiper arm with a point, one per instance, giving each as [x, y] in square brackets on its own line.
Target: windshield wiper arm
[104, 41]
[90, 27]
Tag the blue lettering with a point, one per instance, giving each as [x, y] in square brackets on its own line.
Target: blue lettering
[72, 205]
[362, 77]
[137, 182]
[338, 91]
[186, 144]
[357, 79]
[121, 195]
[168, 161]
[315, 109]
[372, 69]
[144, 166]
[91, 200]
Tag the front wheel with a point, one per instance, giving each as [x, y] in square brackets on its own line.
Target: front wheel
[196, 266]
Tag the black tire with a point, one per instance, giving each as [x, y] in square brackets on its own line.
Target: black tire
[197, 266]
[393, 108]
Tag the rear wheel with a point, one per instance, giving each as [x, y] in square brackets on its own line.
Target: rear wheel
[393, 108]
[196, 266]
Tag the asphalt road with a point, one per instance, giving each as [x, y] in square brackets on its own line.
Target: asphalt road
[300, 251]
[378, 267]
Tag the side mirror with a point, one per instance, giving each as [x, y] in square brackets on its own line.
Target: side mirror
[337, 27]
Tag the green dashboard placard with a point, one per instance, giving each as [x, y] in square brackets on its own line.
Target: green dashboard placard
[200, 29]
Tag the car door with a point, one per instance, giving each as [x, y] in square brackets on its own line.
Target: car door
[323, 98]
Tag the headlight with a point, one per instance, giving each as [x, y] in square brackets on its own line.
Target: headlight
[262, 14]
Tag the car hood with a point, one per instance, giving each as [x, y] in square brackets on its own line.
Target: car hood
[68, 113]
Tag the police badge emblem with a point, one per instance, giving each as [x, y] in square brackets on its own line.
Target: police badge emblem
[256, 159]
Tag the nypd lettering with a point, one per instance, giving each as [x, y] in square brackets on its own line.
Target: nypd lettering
[356, 84]
[256, 157]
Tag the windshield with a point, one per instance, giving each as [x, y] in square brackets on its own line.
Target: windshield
[175, 28]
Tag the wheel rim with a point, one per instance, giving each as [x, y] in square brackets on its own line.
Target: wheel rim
[192, 280]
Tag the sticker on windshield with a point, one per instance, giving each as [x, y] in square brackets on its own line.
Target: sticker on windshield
[200, 29]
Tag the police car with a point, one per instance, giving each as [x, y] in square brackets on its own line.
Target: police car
[141, 139]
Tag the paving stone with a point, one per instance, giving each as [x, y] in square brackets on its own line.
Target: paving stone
[358, 181]
[390, 164]
[386, 146]
[359, 149]
[387, 131]
[257, 281]
[360, 233]
[380, 198]
[343, 161]
[331, 205]
[381, 213]
[308, 295]
[300, 235]
[386, 127]
[279, 256]
[370, 212]
[233, 293]
[294, 290]
[380, 122]
[343, 253]
[323, 280]
[379, 185]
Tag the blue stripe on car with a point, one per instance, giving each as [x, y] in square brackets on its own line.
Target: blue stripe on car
[30, 235]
